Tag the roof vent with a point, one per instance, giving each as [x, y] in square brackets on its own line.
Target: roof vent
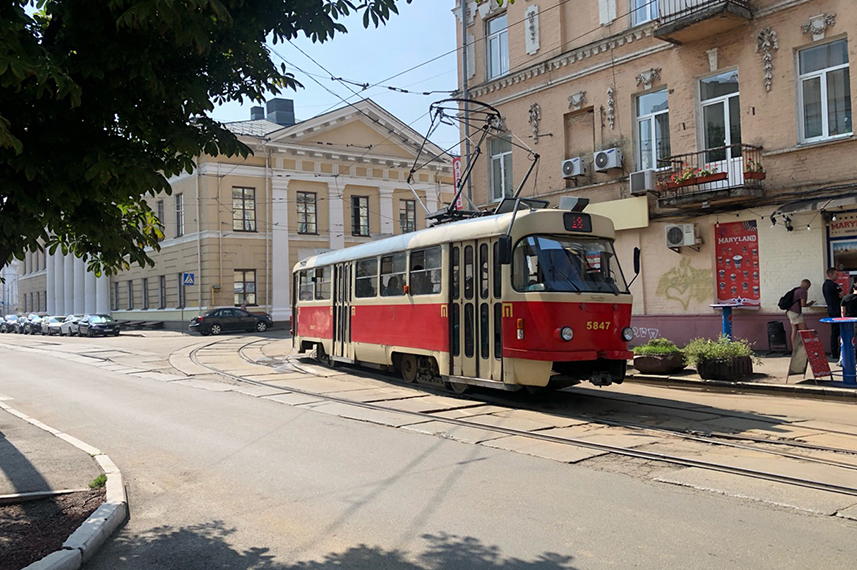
[257, 113]
[281, 111]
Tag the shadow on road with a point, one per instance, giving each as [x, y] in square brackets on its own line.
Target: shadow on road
[206, 546]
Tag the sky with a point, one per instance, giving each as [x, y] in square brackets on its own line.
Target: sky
[422, 31]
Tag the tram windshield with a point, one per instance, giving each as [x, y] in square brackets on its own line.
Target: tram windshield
[567, 264]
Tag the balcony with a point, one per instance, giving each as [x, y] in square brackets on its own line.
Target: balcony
[711, 177]
[683, 21]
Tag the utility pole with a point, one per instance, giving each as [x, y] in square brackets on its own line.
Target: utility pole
[465, 94]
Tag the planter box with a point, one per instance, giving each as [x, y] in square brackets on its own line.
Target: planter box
[754, 176]
[731, 370]
[716, 177]
[660, 363]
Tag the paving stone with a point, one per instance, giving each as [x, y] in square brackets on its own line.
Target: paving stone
[451, 431]
[363, 414]
[544, 449]
[805, 499]
[206, 385]
[838, 441]
[828, 426]
[431, 404]
[616, 437]
[554, 420]
[849, 513]
[294, 399]
[259, 391]
[521, 424]
[380, 395]
[465, 413]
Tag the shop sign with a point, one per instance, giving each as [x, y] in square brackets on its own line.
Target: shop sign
[737, 263]
[845, 225]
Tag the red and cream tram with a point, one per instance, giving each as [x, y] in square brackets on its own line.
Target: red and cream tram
[471, 302]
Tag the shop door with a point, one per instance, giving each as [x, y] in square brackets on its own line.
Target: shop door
[475, 303]
[342, 311]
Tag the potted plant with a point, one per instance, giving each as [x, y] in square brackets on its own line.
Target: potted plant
[658, 356]
[753, 170]
[691, 175]
[723, 359]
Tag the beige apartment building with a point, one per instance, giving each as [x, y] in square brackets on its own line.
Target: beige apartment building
[234, 228]
[716, 133]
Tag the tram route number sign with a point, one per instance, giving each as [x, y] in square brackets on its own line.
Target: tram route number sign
[815, 354]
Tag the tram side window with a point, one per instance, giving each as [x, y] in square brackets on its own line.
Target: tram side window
[527, 276]
[305, 285]
[393, 270]
[322, 283]
[425, 271]
[366, 284]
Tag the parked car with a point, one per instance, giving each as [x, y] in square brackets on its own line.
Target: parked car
[69, 325]
[92, 325]
[33, 324]
[223, 319]
[9, 324]
[51, 325]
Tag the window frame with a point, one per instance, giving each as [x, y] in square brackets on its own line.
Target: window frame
[162, 291]
[395, 259]
[359, 203]
[179, 214]
[241, 223]
[361, 291]
[500, 38]
[115, 303]
[407, 215]
[505, 160]
[650, 118]
[145, 291]
[180, 292]
[307, 221]
[650, 8]
[130, 294]
[245, 295]
[820, 74]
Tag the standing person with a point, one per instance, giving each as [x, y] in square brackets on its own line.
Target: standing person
[833, 297]
[848, 306]
[795, 312]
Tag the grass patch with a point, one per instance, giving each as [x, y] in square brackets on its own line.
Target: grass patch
[99, 481]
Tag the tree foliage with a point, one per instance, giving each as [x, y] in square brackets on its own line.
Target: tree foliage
[101, 101]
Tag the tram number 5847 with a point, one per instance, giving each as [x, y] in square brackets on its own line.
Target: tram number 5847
[597, 325]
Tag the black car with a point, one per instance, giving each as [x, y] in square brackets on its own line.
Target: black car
[91, 325]
[9, 324]
[217, 321]
[32, 324]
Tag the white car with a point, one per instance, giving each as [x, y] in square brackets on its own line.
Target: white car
[69, 325]
[51, 325]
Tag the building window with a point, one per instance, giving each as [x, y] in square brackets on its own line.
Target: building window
[115, 296]
[500, 150]
[162, 291]
[497, 44]
[145, 286]
[245, 287]
[130, 294]
[181, 297]
[653, 129]
[179, 215]
[360, 215]
[721, 116]
[825, 91]
[408, 215]
[643, 11]
[307, 213]
[244, 209]
[159, 211]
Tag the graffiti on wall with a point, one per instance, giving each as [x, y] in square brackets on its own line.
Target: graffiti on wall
[685, 284]
[647, 333]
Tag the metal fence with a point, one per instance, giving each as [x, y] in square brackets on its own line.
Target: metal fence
[709, 170]
[672, 10]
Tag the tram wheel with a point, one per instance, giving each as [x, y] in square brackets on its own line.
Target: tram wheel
[457, 387]
[409, 368]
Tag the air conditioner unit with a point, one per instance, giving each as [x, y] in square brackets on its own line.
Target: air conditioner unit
[606, 159]
[643, 181]
[573, 167]
[681, 235]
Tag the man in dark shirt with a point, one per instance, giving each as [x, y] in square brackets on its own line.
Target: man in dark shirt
[832, 296]
[849, 308]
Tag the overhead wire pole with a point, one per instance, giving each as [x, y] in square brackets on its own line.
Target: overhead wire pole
[464, 94]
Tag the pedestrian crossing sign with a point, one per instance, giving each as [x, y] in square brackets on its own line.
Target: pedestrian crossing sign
[187, 279]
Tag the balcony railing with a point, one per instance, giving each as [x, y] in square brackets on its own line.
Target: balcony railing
[714, 175]
[680, 21]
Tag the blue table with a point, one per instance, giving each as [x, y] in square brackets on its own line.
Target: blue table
[846, 333]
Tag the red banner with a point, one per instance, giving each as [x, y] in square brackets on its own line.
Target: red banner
[456, 176]
[737, 267]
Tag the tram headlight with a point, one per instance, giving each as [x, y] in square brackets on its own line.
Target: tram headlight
[628, 334]
[566, 334]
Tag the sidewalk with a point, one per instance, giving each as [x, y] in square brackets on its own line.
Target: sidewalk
[49, 516]
[771, 376]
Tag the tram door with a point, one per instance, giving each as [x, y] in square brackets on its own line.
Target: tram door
[475, 323]
[342, 311]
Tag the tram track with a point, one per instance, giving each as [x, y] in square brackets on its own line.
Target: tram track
[577, 442]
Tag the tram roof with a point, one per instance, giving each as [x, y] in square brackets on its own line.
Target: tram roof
[475, 228]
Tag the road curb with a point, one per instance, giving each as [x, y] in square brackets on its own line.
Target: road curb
[89, 536]
[814, 392]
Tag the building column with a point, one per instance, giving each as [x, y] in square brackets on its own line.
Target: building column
[102, 295]
[50, 288]
[336, 208]
[59, 284]
[281, 270]
[89, 298]
[79, 285]
[68, 287]
[387, 225]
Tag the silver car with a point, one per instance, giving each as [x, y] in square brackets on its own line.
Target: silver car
[69, 325]
[51, 325]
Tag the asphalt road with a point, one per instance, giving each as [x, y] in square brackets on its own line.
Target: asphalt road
[224, 480]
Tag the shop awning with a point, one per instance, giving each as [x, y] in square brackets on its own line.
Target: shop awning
[815, 204]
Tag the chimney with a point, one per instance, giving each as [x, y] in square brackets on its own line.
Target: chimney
[257, 113]
[281, 111]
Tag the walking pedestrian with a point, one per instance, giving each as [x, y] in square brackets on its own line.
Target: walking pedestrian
[833, 297]
[795, 312]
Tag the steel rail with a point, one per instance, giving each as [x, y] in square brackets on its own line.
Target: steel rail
[576, 442]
